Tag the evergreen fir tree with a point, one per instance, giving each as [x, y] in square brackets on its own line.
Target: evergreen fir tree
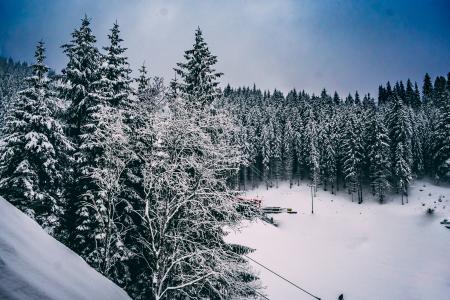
[402, 170]
[427, 90]
[266, 152]
[143, 82]
[114, 159]
[80, 74]
[288, 150]
[114, 84]
[440, 91]
[353, 157]
[381, 95]
[368, 102]
[369, 116]
[441, 142]
[349, 100]
[379, 159]
[336, 98]
[277, 148]
[416, 99]
[328, 157]
[12, 80]
[199, 78]
[34, 152]
[409, 94]
[301, 146]
[314, 155]
[357, 98]
[399, 126]
[402, 92]
[389, 92]
[94, 219]
[417, 141]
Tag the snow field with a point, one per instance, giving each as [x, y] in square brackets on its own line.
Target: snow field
[33, 265]
[368, 251]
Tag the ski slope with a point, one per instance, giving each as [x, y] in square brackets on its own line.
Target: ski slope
[366, 252]
[33, 265]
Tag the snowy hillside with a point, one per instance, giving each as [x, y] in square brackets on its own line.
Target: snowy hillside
[33, 265]
[368, 251]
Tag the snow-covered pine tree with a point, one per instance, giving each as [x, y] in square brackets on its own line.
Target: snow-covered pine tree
[34, 152]
[78, 90]
[336, 99]
[430, 121]
[288, 152]
[277, 146]
[441, 142]
[369, 115]
[80, 74]
[255, 141]
[381, 95]
[353, 154]
[266, 152]
[115, 92]
[379, 159]
[339, 129]
[440, 91]
[143, 82]
[357, 98]
[242, 139]
[109, 164]
[314, 155]
[301, 145]
[418, 124]
[416, 100]
[115, 72]
[427, 90]
[401, 91]
[409, 93]
[402, 170]
[12, 80]
[349, 100]
[328, 156]
[389, 92]
[399, 128]
[90, 88]
[198, 77]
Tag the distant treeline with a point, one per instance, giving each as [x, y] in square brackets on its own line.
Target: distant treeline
[345, 143]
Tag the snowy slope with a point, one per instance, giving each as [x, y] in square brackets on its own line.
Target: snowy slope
[367, 251]
[33, 265]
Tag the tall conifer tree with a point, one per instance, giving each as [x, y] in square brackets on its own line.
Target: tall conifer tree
[34, 151]
[198, 77]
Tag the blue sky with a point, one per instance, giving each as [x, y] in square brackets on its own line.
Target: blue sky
[309, 44]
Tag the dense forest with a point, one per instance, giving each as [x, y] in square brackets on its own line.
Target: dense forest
[350, 143]
[141, 179]
[12, 75]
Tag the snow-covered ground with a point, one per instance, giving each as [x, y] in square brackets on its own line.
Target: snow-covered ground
[368, 251]
[33, 265]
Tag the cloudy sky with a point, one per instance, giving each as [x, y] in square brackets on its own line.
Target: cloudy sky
[306, 44]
